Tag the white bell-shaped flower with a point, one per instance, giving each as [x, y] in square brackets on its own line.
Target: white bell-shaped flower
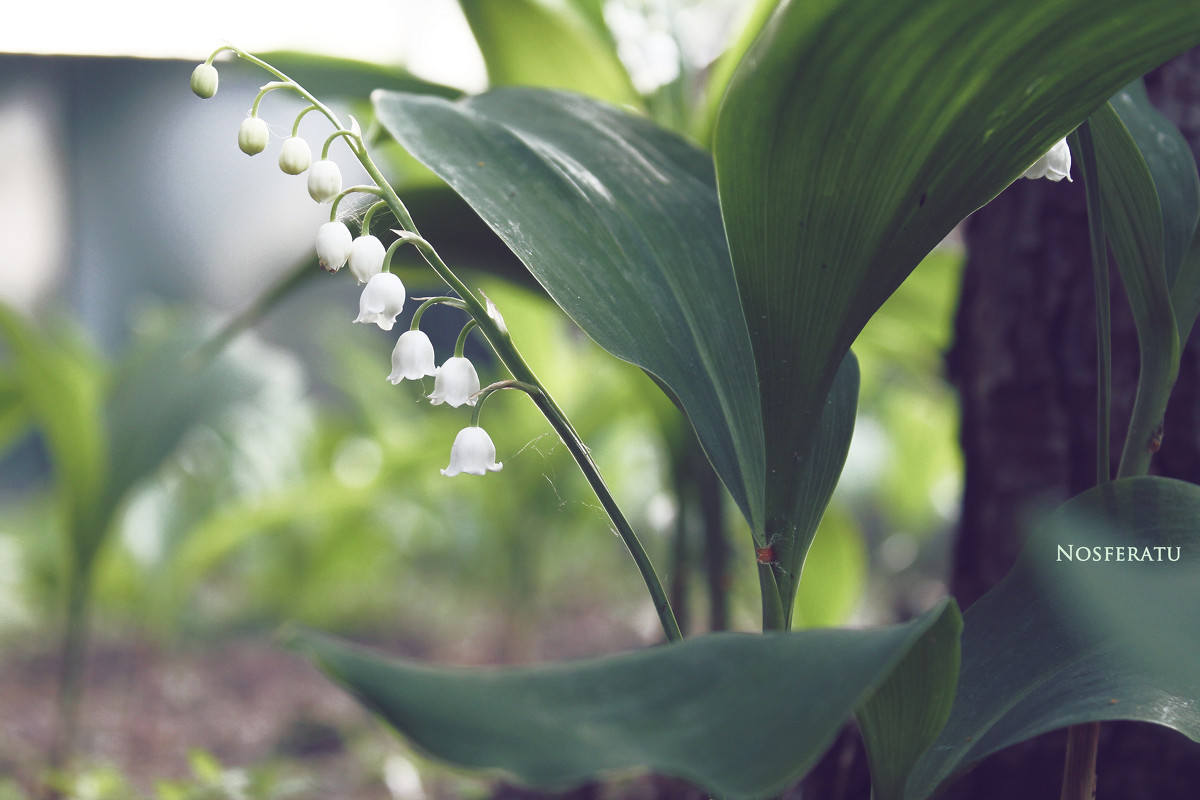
[366, 257]
[253, 136]
[412, 357]
[1055, 165]
[324, 181]
[333, 245]
[204, 80]
[472, 453]
[382, 301]
[455, 383]
[295, 155]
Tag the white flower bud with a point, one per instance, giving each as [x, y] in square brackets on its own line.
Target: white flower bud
[455, 383]
[295, 156]
[253, 136]
[472, 453]
[204, 80]
[1055, 165]
[324, 181]
[412, 357]
[366, 257]
[382, 301]
[333, 245]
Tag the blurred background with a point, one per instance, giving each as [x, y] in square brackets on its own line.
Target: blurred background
[295, 484]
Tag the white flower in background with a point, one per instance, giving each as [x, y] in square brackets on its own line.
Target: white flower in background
[295, 156]
[366, 257]
[472, 453]
[381, 301]
[455, 383]
[324, 181]
[204, 80]
[333, 245]
[253, 136]
[412, 357]
[1055, 165]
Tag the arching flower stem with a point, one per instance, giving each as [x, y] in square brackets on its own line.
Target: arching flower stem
[502, 345]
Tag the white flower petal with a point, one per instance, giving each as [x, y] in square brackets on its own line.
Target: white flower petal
[333, 245]
[382, 301]
[456, 383]
[324, 181]
[472, 453]
[366, 257]
[412, 357]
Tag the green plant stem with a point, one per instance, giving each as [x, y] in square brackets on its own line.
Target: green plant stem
[73, 654]
[508, 354]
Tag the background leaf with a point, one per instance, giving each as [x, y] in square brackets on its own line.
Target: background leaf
[856, 135]
[526, 42]
[720, 710]
[618, 220]
[1039, 653]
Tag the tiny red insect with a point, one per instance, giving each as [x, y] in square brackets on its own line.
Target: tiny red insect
[766, 555]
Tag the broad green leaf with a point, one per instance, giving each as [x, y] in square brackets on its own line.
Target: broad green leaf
[327, 76]
[723, 68]
[62, 390]
[618, 220]
[163, 389]
[528, 43]
[1172, 167]
[1185, 293]
[1064, 640]
[858, 133]
[906, 713]
[742, 715]
[817, 483]
[1133, 222]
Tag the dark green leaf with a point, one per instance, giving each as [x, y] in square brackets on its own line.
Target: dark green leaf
[1133, 222]
[742, 715]
[856, 135]
[1063, 640]
[906, 713]
[1171, 165]
[618, 220]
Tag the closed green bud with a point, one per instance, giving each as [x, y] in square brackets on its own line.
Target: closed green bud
[253, 136]
[204, 80]
[295, 156]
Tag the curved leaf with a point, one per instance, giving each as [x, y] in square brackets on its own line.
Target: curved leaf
[1064, 639]
[1133, 222]
[856, 135]
[618, 220]
[742, 715]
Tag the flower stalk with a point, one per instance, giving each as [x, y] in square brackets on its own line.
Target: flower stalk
[490, 326]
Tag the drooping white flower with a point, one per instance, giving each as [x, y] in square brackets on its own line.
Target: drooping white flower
[295, 156]
[381, 301]
[333, 245]
[366, 257]
[204, 80]
[324, 181]
[472, 453]
[455, 383]
[253, 136]
[412, 357]
[1055, 165]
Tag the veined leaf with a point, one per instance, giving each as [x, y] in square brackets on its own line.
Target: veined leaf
[1079, 631]
[618, 220]
[857, 134]
[1133, 222]
[742, 715]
